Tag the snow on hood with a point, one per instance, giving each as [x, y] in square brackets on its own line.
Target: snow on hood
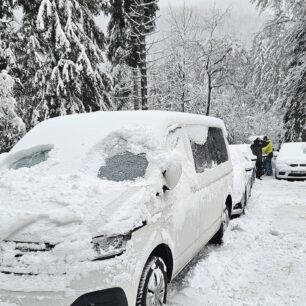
[293, 152]
[40, 204]
[44, 205]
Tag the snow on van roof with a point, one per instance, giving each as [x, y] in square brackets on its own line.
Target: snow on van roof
[91, 127]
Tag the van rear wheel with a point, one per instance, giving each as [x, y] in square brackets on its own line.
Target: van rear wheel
[218, 237]
[152, 290]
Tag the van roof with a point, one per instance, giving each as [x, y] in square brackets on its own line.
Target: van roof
[92, 127]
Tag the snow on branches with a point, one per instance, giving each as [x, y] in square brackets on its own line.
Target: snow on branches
[11, 126]
[66, 69]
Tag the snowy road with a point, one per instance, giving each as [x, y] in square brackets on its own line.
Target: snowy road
[263, 259]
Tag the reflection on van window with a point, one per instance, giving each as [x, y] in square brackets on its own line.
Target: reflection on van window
[124, 167]
[210, 154]
[31, 160]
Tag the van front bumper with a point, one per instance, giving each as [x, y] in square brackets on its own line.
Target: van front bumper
[107, 297]
[291, 174]
[107, 285]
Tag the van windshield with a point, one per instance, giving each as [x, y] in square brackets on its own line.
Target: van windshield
[125, 166]
[31, 160]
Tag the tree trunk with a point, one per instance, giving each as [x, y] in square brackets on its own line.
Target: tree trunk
[183, 101]
[208, 95]
[143, 59]
[184, 85]
[135, 89]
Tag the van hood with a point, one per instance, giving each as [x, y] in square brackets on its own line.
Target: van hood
[54, 209]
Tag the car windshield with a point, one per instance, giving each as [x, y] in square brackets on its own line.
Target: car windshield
[124, 167]
[293, 150]
[31, 160]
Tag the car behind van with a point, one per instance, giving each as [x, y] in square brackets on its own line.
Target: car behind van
[107, 208]
[290, 163]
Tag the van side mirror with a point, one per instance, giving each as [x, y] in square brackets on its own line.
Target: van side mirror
[173, 174]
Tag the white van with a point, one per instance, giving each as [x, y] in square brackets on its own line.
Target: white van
[106, 208]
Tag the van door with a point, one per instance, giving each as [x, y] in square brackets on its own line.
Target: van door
[210, 154]
[185, 215]
[219, 172]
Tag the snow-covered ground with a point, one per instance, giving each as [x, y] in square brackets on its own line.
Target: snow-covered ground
[262, 260]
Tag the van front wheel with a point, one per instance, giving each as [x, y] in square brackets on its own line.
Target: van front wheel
[152, 290]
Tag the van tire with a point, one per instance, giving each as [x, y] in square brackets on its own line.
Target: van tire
[154, 265]
[245, 202]
[217, 239]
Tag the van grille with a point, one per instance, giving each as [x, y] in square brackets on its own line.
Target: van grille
[14, 256]
[297, 165]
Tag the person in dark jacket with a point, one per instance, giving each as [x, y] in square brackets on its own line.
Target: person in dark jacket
[256, 148]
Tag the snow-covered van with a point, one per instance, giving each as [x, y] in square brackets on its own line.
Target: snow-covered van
[106, 208]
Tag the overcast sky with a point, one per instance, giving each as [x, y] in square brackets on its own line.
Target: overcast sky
[244, 19]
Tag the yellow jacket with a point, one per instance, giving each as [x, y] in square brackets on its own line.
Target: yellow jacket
[268, 148]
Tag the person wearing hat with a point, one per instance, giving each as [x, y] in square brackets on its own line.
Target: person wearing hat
[268, 151]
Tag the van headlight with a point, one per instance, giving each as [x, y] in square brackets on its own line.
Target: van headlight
[110, 246]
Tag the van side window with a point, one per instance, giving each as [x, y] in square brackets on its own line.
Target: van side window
[208, 147]
[217, 146]
[199, 145]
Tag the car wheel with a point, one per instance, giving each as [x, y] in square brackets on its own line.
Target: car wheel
[218, 237]
[152, 290]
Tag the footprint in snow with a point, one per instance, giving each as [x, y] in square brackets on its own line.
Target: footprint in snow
[237, 228]
[275, 232]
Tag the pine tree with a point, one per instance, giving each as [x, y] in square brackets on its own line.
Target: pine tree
[295, 118]
[7, 34]
[11, 126]
[287, 48]
[118, 52]
[63, 69]
[130, 23]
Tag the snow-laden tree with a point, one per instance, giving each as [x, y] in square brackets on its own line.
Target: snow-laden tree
[281, 74]
[221, 56]
[131, 21]
[295, 118]
[63, 68]
[269, 67]
[7, 34]
[11, 126]
[177, 85]
[199, 61]
[119, 53]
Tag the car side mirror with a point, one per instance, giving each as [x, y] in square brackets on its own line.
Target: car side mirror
[173, 174]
